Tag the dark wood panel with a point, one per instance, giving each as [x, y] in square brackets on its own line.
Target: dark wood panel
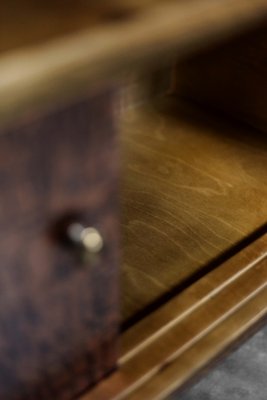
[58, 313]
[193, 188]
[230, 78]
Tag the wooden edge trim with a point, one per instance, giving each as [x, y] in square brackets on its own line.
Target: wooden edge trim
[192, 298]
[205, 351]
[233, 308]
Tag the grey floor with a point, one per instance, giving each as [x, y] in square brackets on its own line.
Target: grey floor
[242, 376]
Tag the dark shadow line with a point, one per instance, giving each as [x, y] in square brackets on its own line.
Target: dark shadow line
[216, 262]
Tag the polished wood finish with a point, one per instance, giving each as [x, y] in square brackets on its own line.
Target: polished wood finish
[193, 195]
[230, 78]
[172, 344]
[58, 328]
[189, 301]
[193, 188]
[52, 51]
[218, 343]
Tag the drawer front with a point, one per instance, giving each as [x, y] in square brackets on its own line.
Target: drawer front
[58, 307]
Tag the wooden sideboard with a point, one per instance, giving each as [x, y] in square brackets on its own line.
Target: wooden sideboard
[133, 193]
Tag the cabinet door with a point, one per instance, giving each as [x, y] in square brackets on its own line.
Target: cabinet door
[58, 300]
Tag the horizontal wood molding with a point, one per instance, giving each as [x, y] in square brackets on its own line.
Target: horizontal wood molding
[171, 345]
[194, 297]
[55, 70]
[207, 349]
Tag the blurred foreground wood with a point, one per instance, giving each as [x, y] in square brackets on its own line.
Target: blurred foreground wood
[52, 52]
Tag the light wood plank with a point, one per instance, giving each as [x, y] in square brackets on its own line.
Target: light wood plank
[193, 188]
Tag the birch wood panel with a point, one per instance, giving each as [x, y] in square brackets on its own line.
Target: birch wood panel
[193, 188]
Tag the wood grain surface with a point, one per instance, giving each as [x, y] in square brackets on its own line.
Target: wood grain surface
[51, 51]
[167, 348]
[58, 329]
[193, 188]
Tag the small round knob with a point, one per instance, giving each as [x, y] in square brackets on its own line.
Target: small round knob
[88, 238]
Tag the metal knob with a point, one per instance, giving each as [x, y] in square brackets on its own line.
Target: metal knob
[87, 238]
